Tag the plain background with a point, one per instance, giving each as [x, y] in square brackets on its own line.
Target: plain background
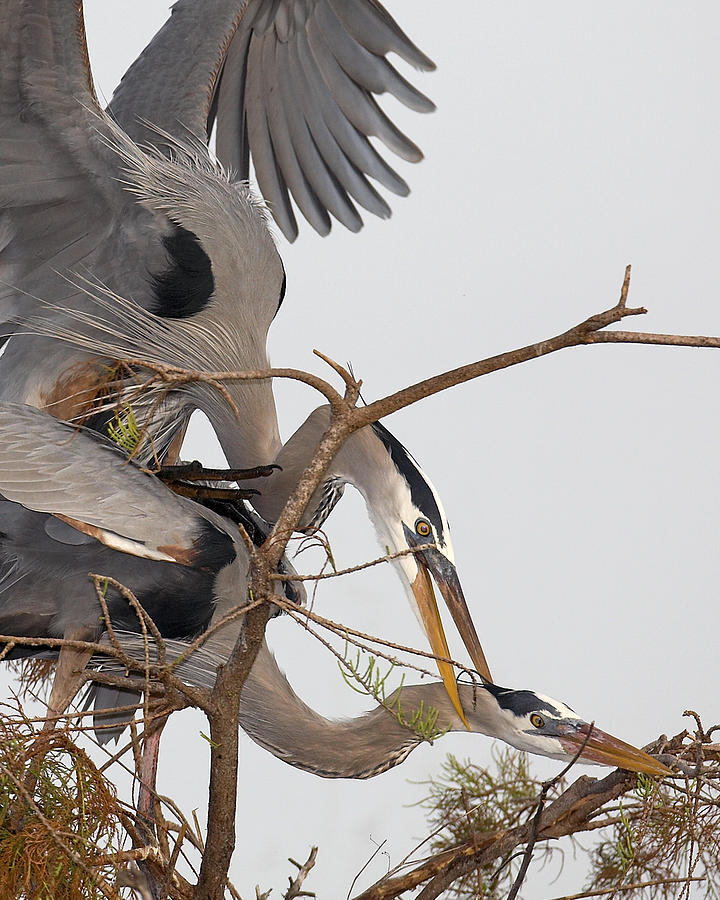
[570, 138]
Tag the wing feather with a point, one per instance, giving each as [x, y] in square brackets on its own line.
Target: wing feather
[201, 68]
[49, 466]
[358, 106]
[314, 206]
[319, 152]
[62, 206]
[372, 26]
[270, 179]
[368, 70]
[352, 142]
[320, 173]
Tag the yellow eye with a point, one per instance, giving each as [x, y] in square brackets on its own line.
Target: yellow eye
[537, 720]
[423, 528]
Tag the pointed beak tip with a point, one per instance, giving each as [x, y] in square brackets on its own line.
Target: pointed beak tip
[608, 750]
[445, 576]
[659, 769]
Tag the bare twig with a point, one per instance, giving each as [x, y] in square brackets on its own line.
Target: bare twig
[628, 887]
[547, 785]
[388, 557]
[295, 887]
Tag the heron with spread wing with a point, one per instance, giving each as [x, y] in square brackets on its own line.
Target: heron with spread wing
[73, 504]
[112, 251]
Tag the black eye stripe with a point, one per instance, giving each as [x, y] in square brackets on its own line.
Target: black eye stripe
[521, 703]
[420, 492]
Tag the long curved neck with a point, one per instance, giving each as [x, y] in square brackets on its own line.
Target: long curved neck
[361, 456]
[274, 716]
[260, 440]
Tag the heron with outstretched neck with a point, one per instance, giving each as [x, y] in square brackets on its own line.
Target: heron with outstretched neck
[74, 504]
[111, 251]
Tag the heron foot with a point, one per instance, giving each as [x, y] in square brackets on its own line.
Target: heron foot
[195, 471]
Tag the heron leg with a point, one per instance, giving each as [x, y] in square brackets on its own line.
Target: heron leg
[148, 776]
[147, 806]
[68, 674]
[66, 683]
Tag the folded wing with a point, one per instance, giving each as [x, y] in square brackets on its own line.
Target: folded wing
[87, 484]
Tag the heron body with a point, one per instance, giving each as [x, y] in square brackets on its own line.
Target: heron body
[111, 251]
[52, 474]
[72, 505]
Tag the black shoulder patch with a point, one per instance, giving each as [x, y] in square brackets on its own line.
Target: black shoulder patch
[258, 530]
[420, 492]
[519, 702]
[186, 286]
[212, 549]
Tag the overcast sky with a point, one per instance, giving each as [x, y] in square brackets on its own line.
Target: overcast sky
[570, 138]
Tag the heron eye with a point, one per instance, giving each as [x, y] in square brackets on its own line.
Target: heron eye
[423, 528]
[537, 720]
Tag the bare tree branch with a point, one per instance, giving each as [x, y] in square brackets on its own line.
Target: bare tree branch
[638, 885]
[295, 888]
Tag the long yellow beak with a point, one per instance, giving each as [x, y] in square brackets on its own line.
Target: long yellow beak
[607, 750]
[425, 599]
[444, 573]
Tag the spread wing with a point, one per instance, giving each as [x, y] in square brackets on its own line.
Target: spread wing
[292, 85]
[60, 197]
[88, 484]
[78, 199]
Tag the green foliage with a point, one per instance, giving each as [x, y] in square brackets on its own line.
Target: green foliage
[625, 846]
[59, 818]
[466, 801]
[647, 843]
[125, 430]
[371, 681]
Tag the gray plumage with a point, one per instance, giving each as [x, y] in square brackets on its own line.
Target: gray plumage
[160, 258]
[48, 469]
[290, 85]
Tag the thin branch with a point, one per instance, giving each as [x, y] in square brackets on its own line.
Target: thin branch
[175, 376]
[630, 887]
[546, 786]
[365, 865]
[295, 888]
[573, 337]
[321, 576]
[646, 337]
[301, 615]
[224, 715]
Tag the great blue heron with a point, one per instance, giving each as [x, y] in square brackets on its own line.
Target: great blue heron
[62, 516]
[88, 218]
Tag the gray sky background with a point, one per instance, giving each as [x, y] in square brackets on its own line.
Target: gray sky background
[570, 139]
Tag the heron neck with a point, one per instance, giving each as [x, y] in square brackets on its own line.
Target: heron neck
[250, 437]
[359, 462]
[274, 717]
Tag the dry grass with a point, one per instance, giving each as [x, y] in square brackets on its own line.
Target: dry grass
[59, 818]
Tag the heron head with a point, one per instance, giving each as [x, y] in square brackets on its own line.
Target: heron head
[409, 518]
[538, 724]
